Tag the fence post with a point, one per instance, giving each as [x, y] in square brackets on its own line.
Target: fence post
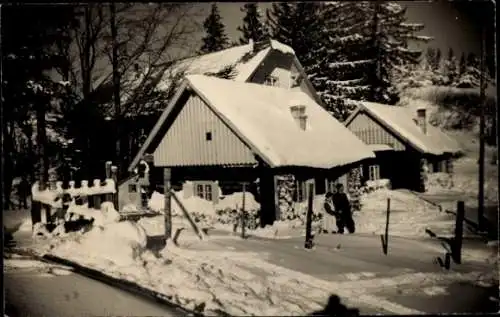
[168, 203]
[459, 233]
[243, 224]
[114, 176]
[309, 238]
[97, 197]
[386, 238]
[107, 167]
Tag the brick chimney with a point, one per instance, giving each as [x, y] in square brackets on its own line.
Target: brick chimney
[422, 119]
[298, 112]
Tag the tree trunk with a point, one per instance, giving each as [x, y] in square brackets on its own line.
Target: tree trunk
[116, 85]
[86, 85]
[8, 165]
[41, 135]
[375, 71]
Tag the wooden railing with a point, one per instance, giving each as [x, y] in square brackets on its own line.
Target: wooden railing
[51, 201]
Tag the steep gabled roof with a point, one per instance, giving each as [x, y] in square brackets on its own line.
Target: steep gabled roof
[260, 116]
[401, 121]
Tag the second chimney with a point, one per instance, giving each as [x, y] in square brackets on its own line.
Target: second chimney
[422, 119]
[299, 114]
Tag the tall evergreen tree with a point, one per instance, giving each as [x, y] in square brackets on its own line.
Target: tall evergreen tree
[366, 46]
[253, 28]
[298, 25]
[216, 38]
[439, 57]
[30, 35]
[450, 68]
[391, 48]
[462, 65]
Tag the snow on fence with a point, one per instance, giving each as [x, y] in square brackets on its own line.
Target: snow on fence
[51, 202]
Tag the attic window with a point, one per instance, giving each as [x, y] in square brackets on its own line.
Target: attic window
[208, 136]
[296, 79]
[271, 81]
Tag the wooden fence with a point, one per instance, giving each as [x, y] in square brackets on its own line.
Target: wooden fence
[51, 201]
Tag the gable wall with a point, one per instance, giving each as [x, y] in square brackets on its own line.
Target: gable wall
[371, 132]
[185, 143]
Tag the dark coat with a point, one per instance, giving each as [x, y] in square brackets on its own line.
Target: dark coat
[341, 203]
[329, 210]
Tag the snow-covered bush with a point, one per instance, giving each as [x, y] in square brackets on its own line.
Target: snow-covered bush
[371, 186]
[439, 181]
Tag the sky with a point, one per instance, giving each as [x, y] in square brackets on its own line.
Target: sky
[449, 26]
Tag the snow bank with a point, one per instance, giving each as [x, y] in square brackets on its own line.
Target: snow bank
[212, 282]
[118, 243]
[409, 216]
[193, 204]
[301, 208]
[46, 196]
[377, 184]
[235, 201]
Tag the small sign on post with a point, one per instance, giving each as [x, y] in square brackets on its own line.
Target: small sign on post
[385, 237]
[309, 237]
[456, 246]
[114, 176]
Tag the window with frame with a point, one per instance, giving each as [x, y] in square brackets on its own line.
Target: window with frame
[271, 81]
[302, 190]
[373, 172]
[132, 188]
[204, 191]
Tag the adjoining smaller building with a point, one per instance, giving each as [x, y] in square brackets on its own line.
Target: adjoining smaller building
[406, 145]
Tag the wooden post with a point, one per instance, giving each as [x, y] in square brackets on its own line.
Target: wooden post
[97, 198]
[187, 215]
[108, 169]
[459, 231]
[168, 203]
[243, 212]
[482, 87]
[309, 237]
[108, 197]
[385, 240]
[114, 176]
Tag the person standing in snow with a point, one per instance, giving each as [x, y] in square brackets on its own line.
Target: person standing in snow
[343, 208]
[23, 190]
[330, 216]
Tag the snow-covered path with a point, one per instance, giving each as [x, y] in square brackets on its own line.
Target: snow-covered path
[357, 265]
[34, 288]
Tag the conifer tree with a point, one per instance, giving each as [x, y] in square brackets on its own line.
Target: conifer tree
[298, 25]
[450, 68]
[462, 65]
[366, 45]
[216, 38]
[253, 28]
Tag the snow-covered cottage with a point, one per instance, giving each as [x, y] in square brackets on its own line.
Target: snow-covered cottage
[229, 131]
[406, 145]
[268, 63]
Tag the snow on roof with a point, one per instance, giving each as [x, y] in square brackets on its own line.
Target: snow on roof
[217, 61]
[402, 121]
[261, 115]
[282, 47]
[380, 147]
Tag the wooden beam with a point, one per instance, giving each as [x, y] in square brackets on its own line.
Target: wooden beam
[167, 175]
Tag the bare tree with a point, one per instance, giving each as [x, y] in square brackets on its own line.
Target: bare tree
[120, 53]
